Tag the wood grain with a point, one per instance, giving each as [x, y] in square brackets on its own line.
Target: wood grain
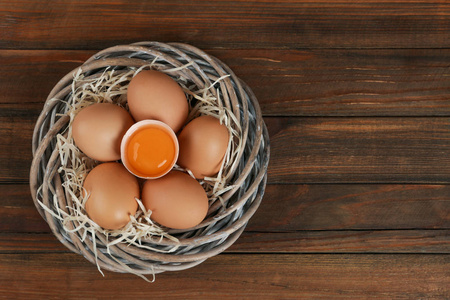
[376, 82]
[330, 207]
[317, 82]
[291, 208]
[32, 74]
[30, 24]
[343, 241]
[304, 241]
[18, 211]
[16, 129]
[235, 277]
[356, 96]
[325, 150]
[365, 150]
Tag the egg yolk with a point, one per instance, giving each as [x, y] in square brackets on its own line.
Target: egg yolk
[151, 151]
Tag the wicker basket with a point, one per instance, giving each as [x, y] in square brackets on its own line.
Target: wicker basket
[213, 235]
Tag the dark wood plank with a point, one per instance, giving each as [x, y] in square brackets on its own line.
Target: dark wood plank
[16, 130]
[235, 277]
[29, 76]
[18, 211]
[330, 207]
[365, 150]
[320, 82]
[344, 241]
[291, 208]
[30, 24]
[340, 241]
[30, 242]
[322, 150]
[393, 82]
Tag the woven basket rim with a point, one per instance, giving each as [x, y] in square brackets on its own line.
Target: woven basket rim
[253, 174]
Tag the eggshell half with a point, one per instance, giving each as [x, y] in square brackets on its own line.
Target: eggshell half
[152, 156]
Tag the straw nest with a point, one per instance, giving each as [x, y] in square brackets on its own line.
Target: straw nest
[143, 247]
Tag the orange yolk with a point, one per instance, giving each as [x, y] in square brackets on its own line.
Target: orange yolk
[150, 151]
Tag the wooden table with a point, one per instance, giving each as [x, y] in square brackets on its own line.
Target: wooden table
[356, 96]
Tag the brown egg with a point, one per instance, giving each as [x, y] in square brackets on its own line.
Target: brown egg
[154, 95]
[98, 130]
[112, 196]
[176, 200]
[203, 144]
